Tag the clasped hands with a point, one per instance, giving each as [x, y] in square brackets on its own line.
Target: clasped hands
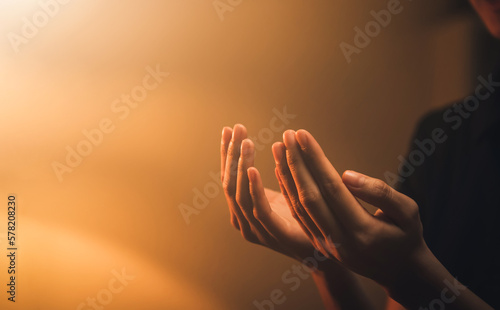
[318, 209]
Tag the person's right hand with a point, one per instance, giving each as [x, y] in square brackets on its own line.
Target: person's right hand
[262, 215]
[267, 218]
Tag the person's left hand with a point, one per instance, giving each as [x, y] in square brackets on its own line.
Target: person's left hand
[261, 215]
[380, 246]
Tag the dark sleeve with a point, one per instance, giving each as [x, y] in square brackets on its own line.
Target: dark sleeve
[455, 188]
[422, 180]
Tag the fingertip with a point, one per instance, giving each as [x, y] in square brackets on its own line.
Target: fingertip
[238, 125]
[254, 180]
[248, 142]
[239, 131]
[288, 137]
[227, 132]
[353, 178]
[302, 137]
[277, 144]
[253, 174]
[278, 149]
[247, 147]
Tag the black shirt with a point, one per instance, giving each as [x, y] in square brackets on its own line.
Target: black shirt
[457, 188]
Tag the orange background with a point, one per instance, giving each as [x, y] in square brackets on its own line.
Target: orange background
[120, 207]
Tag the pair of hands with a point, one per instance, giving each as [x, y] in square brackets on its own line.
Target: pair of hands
[318, 209]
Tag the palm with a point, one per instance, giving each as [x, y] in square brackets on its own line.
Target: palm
[280, 207]
[288, 227]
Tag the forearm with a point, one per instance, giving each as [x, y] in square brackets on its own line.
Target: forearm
[428, 285]
[340, 288]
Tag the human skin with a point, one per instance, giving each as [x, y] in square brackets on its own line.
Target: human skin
[264, 217]
[415, 268]
[317, 209]
[387, 246]
[489, 12]
[237, 156]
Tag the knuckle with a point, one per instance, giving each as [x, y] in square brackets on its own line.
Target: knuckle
[364, 241]
[309, 197]
[292, 161]
[332, 188]
[381, 189]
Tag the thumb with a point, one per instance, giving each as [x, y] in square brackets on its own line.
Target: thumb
[398, 207]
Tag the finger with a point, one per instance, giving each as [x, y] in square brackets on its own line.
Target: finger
[262, 211]
[289, 203]
[309, 193]
[230, 178]
[245, 161]
[283, 190]
[314, 241]
[349, 212]
[298, 211]
[399, 208]
[277, 226]
[289, 189]
[227, 133]
[243, 198]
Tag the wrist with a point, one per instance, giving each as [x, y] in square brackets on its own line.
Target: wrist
[420, 281]
[339, 287]
[334, 273]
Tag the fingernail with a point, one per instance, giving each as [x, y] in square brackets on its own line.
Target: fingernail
[301, 136]
[353, 179]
